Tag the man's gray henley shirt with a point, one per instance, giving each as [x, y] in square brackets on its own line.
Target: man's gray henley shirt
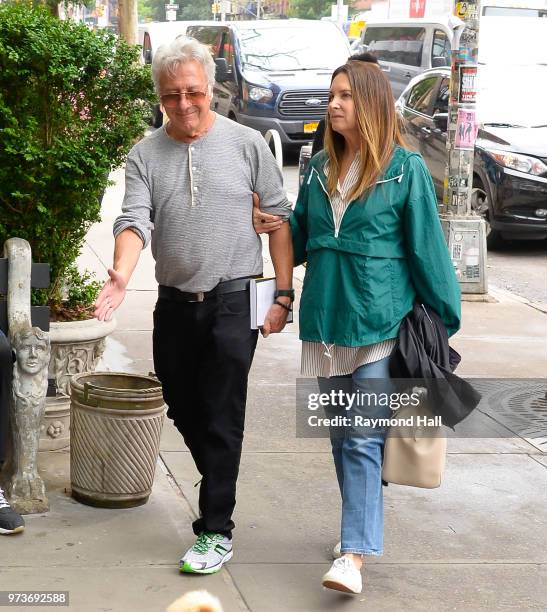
[194, 201]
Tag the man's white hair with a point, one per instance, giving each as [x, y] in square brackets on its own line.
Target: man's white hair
[183, 49]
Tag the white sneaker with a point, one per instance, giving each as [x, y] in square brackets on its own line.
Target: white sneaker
[343, 576]
[336, 551]
[207, 555]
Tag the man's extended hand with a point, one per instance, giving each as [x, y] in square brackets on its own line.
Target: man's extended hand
[263, 222]
[276, 318]
[111, 296]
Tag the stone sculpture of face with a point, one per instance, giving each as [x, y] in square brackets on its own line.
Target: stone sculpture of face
[32, 351]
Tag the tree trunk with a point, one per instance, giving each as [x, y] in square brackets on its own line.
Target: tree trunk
[127, 20]
[52, 6]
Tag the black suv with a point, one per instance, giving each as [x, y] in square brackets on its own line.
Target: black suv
[510, 166]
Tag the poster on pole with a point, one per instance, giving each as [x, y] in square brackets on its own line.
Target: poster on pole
[466, 130]
[467, 10]
[467, 91]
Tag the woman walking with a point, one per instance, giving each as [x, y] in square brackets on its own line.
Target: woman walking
[366, 223]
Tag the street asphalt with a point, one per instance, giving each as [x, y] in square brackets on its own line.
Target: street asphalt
[478, 543]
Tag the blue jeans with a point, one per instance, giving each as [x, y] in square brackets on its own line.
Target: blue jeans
[358, 462]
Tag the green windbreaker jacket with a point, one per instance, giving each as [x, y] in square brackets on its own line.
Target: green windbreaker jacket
[390, 250]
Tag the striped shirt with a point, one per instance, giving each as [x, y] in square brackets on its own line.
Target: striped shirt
[320, 359]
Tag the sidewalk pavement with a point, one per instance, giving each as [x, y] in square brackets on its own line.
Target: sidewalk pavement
[477, 543]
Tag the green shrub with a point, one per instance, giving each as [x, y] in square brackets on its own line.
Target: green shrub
[72, 103]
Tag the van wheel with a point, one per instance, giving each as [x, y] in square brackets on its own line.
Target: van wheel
[481, 205]
[232, 117]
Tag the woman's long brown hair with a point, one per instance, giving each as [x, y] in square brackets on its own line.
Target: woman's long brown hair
[377, 124]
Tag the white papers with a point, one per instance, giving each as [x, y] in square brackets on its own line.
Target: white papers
[262, 291]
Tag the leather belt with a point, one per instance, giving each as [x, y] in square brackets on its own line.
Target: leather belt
[231, 286]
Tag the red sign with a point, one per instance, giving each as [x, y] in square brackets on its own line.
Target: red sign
[417, 8]
[468, 85]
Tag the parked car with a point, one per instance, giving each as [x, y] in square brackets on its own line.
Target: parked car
[274, 73]
[510, 164]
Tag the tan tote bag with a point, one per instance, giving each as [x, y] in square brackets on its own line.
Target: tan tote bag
[415, 450]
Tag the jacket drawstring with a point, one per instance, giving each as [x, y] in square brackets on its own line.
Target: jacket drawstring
[327, 352]
[398, 178]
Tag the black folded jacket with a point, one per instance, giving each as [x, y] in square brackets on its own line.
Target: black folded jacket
[422, 352]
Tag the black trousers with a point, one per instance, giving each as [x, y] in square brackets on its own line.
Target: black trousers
[202, 355]
[6, 373]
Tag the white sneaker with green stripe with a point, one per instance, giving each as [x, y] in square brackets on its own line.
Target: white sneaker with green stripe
[207, 555]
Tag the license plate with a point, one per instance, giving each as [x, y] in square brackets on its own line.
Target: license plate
[309, 128]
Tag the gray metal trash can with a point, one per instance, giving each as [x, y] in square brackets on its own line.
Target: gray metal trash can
[115, 438]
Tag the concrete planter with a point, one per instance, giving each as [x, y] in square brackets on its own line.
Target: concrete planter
[116, 426]
[55, 428]
[76, 347]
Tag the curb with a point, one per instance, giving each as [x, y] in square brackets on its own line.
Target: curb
[504, 294]
[478, 297]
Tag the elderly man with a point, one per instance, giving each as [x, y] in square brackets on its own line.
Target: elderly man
[189, 187]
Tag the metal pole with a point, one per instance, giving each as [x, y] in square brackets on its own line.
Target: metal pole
[258, 9]
[464, 229]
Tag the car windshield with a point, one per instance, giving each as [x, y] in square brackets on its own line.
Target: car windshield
[302, 49]
[513, 95]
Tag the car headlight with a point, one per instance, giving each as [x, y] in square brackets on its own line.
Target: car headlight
[260, 93]
[516, 161]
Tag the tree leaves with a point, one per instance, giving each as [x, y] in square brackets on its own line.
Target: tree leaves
[71, 106]
[195, 10]
[310, 9]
